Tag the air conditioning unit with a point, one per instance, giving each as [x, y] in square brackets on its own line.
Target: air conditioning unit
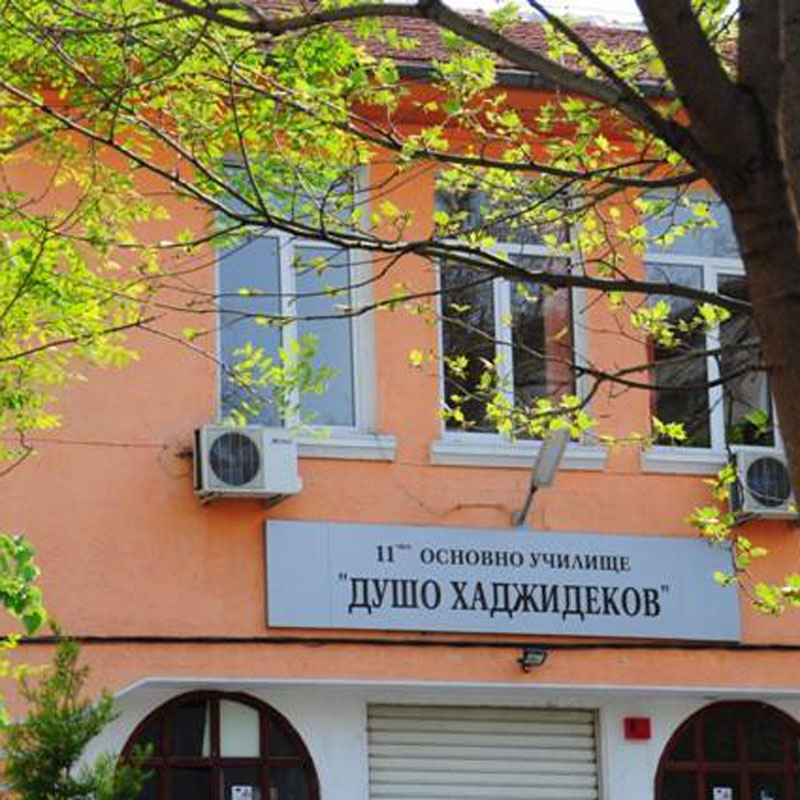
[248, 461]
[763, 486]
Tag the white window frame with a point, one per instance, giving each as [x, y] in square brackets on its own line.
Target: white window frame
[361, 440]
[704, 460]
[485, 449]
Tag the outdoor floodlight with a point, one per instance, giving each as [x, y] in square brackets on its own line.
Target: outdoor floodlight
[532, 657]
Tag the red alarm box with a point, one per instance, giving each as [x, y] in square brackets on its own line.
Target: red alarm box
[637, 729]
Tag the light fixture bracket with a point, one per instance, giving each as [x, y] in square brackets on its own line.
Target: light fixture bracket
[544, 470]
[532, 657]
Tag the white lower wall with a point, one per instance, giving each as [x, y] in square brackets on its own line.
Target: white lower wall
[331, 719]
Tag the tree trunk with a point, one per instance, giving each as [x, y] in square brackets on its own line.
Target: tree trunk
[770, 246]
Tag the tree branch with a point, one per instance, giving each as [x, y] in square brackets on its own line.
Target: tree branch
[69, 340]
[481, 259]
[275, 26]
[356, 126]
[634, 108]
[709, 96]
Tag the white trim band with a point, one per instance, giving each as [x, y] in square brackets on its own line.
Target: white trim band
[353, 447]
[683, 461]
[494, 452]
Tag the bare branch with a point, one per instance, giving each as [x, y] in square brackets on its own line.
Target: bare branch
[275, 26]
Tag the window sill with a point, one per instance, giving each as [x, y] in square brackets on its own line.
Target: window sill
[683, 460]
[490, 451]
[697, 461]
[349, 446]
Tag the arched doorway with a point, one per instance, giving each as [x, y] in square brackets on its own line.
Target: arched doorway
[222, 746]
[732, 751]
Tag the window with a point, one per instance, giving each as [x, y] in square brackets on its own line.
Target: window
[522, 329]
[748, 750]
[278, 293]
[215, 746]
[740, 410]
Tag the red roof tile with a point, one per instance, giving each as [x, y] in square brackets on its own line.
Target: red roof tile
[430, 46]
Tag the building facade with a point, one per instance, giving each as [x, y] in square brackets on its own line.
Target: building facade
[386, 631]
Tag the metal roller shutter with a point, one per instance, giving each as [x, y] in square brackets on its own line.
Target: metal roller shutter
[458, 753]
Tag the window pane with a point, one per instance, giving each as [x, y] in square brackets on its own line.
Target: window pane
[254, 268]
[541, 335]
[241, 783]
[287, 783]
[319, 272]
[190, 784]
[519, 214]
[747, 402]
[718, 241]
[239, 732]
[682, 395]
[468, 332]
[190, 730]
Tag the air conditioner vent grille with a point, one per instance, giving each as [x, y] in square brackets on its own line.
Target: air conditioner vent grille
[767, 480]
[234, 459]
[763, 487]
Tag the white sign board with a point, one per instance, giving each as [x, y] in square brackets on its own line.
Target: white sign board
[382, 577]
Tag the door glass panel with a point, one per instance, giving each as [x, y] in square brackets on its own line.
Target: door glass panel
[679, 786]
[723, 786]
[150, 789]
[241, 783]
[279, 743]
[190, 734]
[767, 787]
[683, 749]
[719, 735]
[190, 784]
[239, 734]
[287, 783]
[764, 739]
[149, 738]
